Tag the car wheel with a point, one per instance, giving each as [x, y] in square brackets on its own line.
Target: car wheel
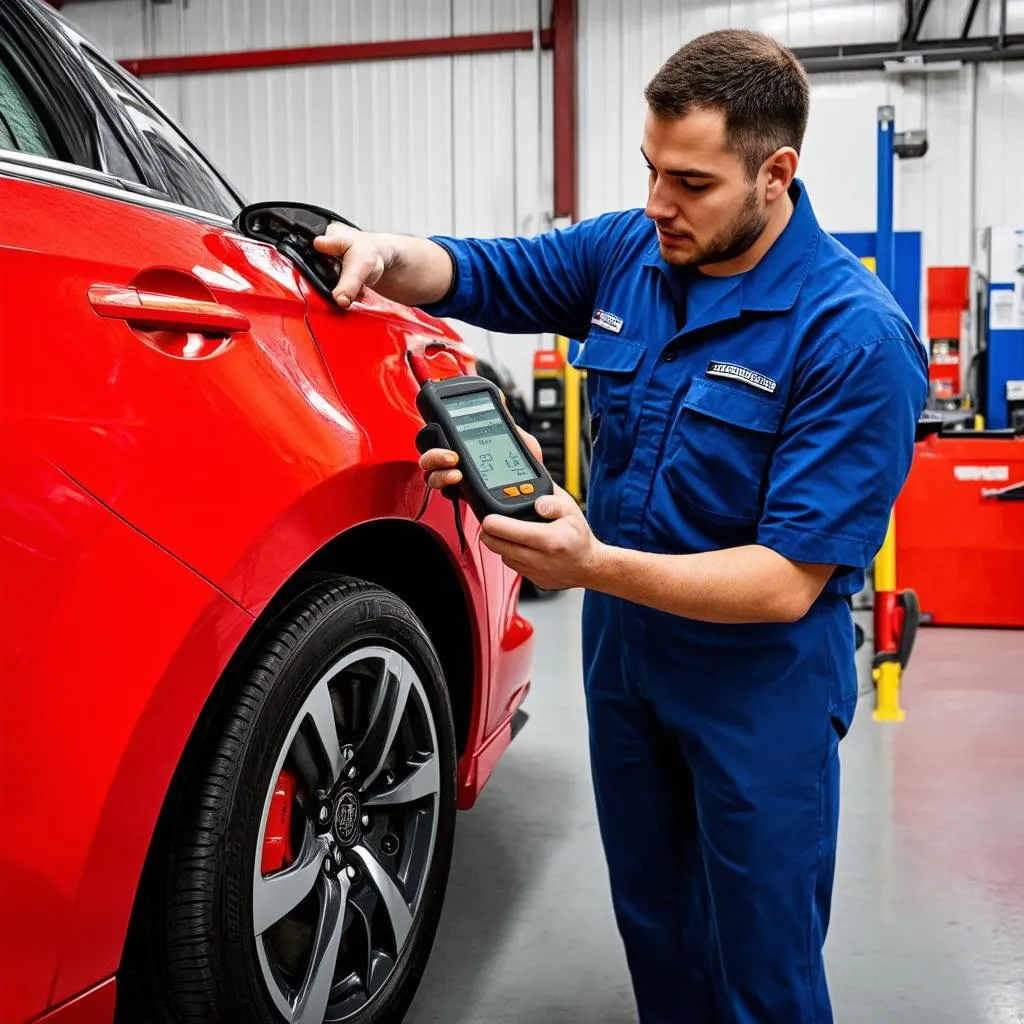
[307, 863]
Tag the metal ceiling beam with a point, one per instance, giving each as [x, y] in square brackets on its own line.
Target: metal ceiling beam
[873, 56]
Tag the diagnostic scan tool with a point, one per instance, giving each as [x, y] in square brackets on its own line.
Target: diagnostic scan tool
[499, 473]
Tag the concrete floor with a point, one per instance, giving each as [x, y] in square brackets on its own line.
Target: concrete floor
[928, 918]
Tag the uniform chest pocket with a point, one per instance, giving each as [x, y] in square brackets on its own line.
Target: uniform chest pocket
[720, 447]
[612, 366]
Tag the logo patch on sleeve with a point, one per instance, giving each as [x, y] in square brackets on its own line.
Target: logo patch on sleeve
[609, 321]
[732, 371]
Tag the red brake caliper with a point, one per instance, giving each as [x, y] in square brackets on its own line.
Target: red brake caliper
[277, 840]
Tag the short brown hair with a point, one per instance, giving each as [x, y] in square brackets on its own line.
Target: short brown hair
[758, 85]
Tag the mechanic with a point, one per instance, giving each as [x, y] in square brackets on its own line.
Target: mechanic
[754, 392]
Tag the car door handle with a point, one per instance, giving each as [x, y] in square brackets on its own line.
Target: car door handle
[155, 311]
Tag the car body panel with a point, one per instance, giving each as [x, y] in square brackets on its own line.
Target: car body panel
[96, 1006]
[105, 634]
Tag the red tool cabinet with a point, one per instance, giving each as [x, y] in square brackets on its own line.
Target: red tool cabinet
[960, 529]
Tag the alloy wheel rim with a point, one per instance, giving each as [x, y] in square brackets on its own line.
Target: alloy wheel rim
[331, 927]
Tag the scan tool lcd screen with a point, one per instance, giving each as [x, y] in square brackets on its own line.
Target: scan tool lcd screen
[494, 450]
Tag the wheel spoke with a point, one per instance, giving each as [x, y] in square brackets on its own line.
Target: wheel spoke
[279, 894]
[305, 762]
[394, 902]
[311, 1003]
[423, 780]
[389, 707]
[365, 904]
[321, 711]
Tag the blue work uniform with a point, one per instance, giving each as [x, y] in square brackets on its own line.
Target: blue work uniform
[775, 408]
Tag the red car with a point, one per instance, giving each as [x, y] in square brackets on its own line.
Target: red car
[245, 687]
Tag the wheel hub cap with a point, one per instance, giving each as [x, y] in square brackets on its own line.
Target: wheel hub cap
[347, 812]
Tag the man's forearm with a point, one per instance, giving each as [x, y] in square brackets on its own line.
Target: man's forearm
[744, 584]
[417, 271]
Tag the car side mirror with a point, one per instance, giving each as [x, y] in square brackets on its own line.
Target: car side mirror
[291, 229]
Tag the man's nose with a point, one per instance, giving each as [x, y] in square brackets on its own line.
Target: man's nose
[659, 204]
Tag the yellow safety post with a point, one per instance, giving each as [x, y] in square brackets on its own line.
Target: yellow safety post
[571, 382]
[887, 669]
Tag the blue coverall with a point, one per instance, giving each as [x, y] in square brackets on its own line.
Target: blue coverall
[774, 408]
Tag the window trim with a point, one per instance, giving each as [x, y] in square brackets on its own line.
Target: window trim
[43, 171]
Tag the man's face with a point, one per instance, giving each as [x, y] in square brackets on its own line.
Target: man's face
[705, 207]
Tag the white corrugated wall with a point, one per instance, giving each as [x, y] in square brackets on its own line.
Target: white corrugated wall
[462, 144]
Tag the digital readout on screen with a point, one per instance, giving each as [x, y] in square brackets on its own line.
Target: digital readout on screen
[486, 436]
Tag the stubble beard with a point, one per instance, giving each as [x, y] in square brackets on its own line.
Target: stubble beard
[732, 241]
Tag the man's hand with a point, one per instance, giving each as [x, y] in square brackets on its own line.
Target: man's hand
[556, 555]
[413, 271]
[363, 260]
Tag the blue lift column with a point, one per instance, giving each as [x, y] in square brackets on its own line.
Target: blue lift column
[885, 237]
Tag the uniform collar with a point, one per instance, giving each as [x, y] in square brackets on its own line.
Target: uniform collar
[774, 284]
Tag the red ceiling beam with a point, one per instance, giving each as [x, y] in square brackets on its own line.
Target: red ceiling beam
[336, 53]
[563, 29]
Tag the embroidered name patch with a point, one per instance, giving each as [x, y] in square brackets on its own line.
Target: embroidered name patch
[733, 372]
[608, 321]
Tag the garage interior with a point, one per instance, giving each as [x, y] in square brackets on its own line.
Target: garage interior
[509, 117]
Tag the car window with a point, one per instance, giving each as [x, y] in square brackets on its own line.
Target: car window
[189, 176]
[116, 159]
[20, 126]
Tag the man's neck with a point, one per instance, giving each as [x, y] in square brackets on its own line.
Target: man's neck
[749, 258]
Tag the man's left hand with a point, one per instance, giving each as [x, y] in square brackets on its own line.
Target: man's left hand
[556, 555]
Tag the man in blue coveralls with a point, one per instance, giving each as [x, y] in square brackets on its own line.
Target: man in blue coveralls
[754, 393]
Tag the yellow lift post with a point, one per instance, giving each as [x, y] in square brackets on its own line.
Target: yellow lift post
[557, 416]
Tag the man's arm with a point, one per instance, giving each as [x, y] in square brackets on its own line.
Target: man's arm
[744, 584]
[520, 285]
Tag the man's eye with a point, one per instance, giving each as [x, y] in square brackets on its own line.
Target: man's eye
[695, 188]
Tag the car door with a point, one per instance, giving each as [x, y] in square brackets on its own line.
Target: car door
[159, 358]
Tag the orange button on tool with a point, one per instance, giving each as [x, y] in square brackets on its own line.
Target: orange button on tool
[512, 492]
[527, 488]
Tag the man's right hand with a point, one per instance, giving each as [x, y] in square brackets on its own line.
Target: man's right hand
[364, 259]
[413, 271]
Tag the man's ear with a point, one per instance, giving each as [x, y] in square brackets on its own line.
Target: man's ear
[780, 170]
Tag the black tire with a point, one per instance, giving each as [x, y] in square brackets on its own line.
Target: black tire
[191, 957]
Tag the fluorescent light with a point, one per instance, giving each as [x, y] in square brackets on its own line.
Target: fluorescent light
[917, 65]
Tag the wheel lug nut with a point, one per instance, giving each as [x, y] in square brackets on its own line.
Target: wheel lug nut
[351, 873]
[365, 821]
[348, 753]
[352, 772]
[328, 866]
[325, 814]
[389, 845]
[389, 778]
